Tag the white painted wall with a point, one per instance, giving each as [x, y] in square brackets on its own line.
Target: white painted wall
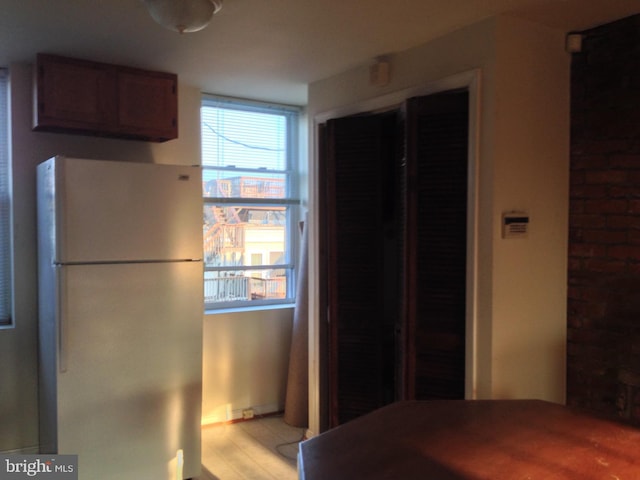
[530, 172]
[246, 360]
[522, 163]
[268, 334]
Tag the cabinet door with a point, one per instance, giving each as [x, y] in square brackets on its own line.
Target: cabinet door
[362, 274]
[147, 104]
[73, 94]
[437, 164]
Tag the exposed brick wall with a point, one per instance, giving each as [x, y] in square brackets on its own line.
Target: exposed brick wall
[604, 237]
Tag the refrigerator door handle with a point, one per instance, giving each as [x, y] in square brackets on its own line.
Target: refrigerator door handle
[61, 320]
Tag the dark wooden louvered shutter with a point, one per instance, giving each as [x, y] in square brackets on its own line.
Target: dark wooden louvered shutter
[437, 168]
[360, 185]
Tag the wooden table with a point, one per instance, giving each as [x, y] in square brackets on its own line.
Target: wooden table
[473, 440]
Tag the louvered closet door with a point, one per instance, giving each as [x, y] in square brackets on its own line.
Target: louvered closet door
[361, 276]
[437, 163]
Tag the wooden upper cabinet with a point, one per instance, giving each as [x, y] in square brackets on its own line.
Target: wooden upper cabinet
[91, 98]
[147, 104]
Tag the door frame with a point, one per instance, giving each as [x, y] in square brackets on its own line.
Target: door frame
[470, 80]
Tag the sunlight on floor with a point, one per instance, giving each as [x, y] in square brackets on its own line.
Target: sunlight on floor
[262, 449]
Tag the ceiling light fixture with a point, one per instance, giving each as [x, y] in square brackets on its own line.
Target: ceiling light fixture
[183, 15]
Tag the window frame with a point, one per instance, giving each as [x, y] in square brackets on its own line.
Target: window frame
[291, 201]
[6, 215]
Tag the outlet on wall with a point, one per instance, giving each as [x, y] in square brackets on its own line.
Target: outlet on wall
[247, 413]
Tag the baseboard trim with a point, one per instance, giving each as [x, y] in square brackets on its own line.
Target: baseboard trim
[235, 415]
[241, 419]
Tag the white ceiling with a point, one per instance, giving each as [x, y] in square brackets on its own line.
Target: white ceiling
[265, 49]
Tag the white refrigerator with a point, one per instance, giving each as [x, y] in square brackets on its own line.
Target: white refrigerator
[121, 309]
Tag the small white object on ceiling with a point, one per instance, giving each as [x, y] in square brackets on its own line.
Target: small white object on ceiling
[574, 43]
[183, 15]
[380, 73]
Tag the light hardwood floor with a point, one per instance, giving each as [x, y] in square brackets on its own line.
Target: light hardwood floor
[260, 449]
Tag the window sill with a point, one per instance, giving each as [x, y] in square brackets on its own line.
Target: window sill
[7, 326]
[257, 308]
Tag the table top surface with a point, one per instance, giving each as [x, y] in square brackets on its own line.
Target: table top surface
[473, 440]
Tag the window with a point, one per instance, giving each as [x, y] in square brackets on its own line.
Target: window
[5, 206]
[249, 160]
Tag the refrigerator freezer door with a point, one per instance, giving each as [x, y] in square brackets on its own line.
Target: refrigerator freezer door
[130, 394]
[108, 211]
